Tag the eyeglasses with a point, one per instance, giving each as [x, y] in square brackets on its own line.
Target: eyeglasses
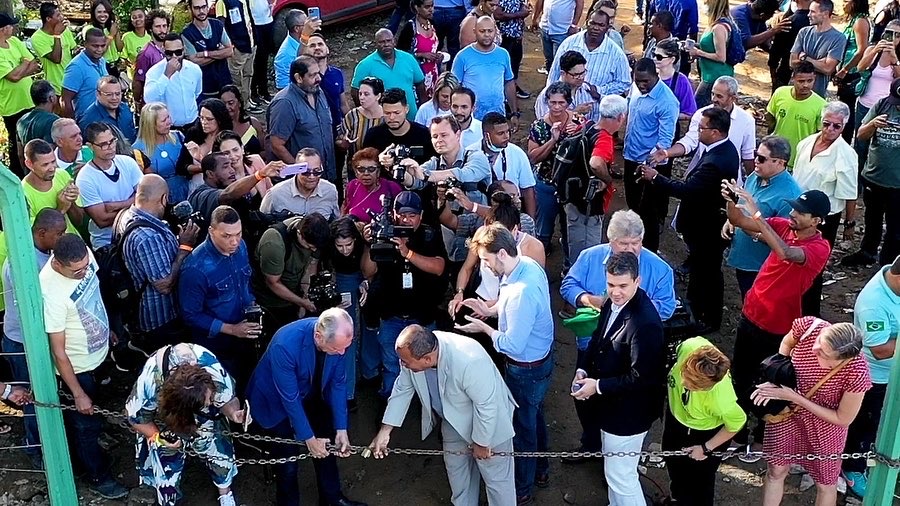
[313, 173]
[367, 169]
[661, 57]
[177, 52]
[105, 145]
[111, 94]
[829, 124]
[763, 159]
[705, 128]
[577, 74]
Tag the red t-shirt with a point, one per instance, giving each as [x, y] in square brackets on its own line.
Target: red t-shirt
[774, 301]
[605, 148]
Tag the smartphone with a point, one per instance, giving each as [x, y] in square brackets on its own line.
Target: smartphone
[346, 299]
[294, 168]
[313, 12]
[888, 35]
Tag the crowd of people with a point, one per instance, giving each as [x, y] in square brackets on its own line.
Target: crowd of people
[234, 248]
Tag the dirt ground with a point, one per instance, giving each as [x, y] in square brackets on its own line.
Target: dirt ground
[422, 480]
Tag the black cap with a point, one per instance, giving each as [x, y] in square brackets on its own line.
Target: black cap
[812, 202]
[6, 20]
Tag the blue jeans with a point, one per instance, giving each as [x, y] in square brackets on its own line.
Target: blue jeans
[370, 352]
[528, 387]
[387, 338]
[401, 13]
[84, 432]
[446, 21]
[550, 43]
[547, 209]
[350, 283]
[20, 373]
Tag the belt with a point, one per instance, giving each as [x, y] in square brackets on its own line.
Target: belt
[528, 365]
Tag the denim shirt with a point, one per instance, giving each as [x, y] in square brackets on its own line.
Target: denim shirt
[214, 289]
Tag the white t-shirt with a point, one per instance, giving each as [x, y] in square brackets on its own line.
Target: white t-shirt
[74, 306]
[98, 186]
[428, 111]
[557, 16]
[472, 135]
[261, 12]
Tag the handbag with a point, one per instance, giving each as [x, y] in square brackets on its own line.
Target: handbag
[789, 411]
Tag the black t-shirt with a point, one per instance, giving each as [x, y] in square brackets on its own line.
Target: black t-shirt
[380, 137]
[780, 52]
[205, 199]
[349, 264]
[420, 302]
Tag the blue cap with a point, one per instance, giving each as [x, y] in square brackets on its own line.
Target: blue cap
[408, 202]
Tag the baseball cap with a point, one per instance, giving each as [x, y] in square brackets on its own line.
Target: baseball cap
[812, 202]
[408, 202]
[6, 20]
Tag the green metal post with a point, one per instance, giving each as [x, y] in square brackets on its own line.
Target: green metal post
[23, 264]
[883, 480]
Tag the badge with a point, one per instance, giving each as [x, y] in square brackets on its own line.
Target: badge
[875, 326]
[407, 281]
[164, 154]
[234, 15]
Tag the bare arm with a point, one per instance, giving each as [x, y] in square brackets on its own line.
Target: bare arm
[529, 201]
[884, 351]
[279, 149]
[720, 42]
[238, 189]
[55, 54]
[104, 214]
[579, 7]
[771, 121]
[274, 284]
[354, 95]
[861, 32]
[842, 416]
[600, 169]
[540, 152]
[511, 98]
[63, 364]
[167, 284]
[759, 226]
[68, 104]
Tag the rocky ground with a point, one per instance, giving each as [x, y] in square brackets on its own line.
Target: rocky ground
[422, 480]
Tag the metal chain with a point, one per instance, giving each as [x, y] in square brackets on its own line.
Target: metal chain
[365, 452]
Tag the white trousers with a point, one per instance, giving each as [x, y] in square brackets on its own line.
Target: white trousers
[621, 472]
[465, 472]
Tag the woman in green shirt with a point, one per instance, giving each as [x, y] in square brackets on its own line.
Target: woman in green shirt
[103, 18]
[858, 32]
[711, 50]
[137, 35]
[702, 418]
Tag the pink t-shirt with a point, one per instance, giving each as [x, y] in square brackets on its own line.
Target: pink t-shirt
[360, 201]
[879, 86]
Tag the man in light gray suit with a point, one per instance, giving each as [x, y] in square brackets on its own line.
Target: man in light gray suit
[456, 381]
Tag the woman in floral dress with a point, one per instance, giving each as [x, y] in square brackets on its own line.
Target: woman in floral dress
[419, 38]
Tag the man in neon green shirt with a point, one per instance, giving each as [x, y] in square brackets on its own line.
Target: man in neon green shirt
[795, 112]
[17, 65]
[47, 186]
[53, 44]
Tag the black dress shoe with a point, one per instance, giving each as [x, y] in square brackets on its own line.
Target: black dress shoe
[343, 501]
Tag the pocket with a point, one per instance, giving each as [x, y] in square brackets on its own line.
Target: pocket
[225, 291]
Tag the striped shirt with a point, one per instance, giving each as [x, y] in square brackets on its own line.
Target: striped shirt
[580, 96]
[607, 65]
[355, 126]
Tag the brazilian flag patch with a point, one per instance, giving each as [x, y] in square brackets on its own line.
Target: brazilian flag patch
[875, 326]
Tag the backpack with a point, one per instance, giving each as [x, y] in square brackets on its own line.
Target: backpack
[117, 288]
[571, 169]
[734, 49]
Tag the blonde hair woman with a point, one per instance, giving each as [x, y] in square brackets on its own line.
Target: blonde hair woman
[711, 50]
[703, 416]
[159, 144]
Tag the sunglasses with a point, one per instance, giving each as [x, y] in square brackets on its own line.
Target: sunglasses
[661, 57]
[836, 126]
[177, 52]
[763, 159]
[314, 173]
[367, 169]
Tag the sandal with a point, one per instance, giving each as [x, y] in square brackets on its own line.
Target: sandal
[4, 428]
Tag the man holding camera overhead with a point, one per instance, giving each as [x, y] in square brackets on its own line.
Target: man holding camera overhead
[407, 259]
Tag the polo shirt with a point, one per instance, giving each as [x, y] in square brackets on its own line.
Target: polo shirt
[15, 97]
[510, 164]
[705, 409]
[81, 78]
[486, 73]
[832, 171]
[286, 54]
[124, 119]
[652, 119]
[607, 65]
[292, 118]
[148, 57]
[42, 44]
[743, 18]
[580, 96]
[333, 86]
[747, 254]
[795, 119]
[774, 300]
[36, 124]
[405, 74]
[285, 196]
[270, 256]
[877, 314]
[179, 92]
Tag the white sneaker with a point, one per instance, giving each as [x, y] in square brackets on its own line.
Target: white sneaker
[227, 500]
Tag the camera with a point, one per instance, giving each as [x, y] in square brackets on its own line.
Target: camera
[449, 184]
[178, 215]
[383, 230]
[592, 188]
[253, 314]
[401, 152]
[323, 291]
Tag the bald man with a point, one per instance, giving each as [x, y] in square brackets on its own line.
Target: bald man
[153, 256]
[396, 69]
[485, 68]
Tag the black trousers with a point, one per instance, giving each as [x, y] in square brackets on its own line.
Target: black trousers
[265, 48]
[752, 345]
[881, 206]
[514, 47]
[861, 434]
[812, 299]
[692, 482]
[15, 165]
[591, 440]
[745, 281]
[648, 200]
[847, 95]
[706, 283]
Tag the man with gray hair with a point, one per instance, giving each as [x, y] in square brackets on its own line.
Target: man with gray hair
[742, 132]
[585, 287]
[298, 390]
[771, 186]
[826, 162]
[69, 143]
[456, 382]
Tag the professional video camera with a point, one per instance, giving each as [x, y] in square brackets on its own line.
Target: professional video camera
[323, 291]
[401, 152]
[177, 215]
[383, 230]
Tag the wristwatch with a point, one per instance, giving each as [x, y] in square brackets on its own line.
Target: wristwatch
[706, 451]
[849, 224]
[517, 114]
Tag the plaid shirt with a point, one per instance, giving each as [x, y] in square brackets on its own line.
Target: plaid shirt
[148, 254]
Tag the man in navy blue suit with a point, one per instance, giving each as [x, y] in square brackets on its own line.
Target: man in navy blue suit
[299, 390]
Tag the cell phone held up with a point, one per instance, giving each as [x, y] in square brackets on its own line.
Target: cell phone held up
[732, 194]
[292, 169]
[314, 13]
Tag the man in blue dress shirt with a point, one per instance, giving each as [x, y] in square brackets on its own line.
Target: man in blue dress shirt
[298, 390]
[525, 336]
[81, 75]
[109, 108]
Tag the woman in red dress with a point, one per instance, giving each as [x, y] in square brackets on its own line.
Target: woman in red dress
[818, 425]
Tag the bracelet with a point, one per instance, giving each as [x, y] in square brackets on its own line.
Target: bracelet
[410, 255]
[7, 391]
[757, 215]
[474, 207]
[460, 290]
[206, 54]
[706, 450]
[259, 176]
[185, 247]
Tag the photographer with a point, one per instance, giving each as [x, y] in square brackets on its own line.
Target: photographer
[287, 255]
[413, 282]
[153, 257]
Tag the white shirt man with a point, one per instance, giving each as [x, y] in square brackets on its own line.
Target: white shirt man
[176, 82]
